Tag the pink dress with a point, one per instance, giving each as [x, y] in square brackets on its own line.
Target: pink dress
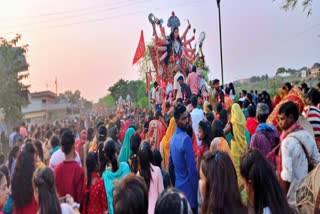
[156, 187]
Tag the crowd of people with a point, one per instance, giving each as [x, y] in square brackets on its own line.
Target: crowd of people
[199, 150]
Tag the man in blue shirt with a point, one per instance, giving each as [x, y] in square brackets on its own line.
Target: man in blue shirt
[182, 165]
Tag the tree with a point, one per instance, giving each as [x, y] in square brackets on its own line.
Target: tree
[316, 65]
[135, 88]
[13, 69]
[107, 101]
[292, 4]
[119, 89]
[145, 63]
[75, 99]
[281, 70]
[124, 87]
[71, 97]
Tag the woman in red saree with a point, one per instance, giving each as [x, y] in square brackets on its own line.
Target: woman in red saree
[157, 129]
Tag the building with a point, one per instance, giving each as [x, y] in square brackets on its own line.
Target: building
[304, 74]
[314, 72]
[285, 74]
[241, 82]
[45, 107]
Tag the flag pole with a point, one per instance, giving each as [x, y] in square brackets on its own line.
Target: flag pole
[146, 64]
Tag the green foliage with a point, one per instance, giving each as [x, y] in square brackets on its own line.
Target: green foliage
[13, 67]
[119, 89]
[72, 97]
[292, 4]
[135, 88]
[125, 87]
[143, 99]
[281, 71]
[291, 71]
[143, 102]
[75, 99]
[259, 78]
[107, 101]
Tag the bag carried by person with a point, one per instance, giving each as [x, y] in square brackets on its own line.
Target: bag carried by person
[307, 193]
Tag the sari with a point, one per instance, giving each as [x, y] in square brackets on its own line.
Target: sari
[93, 145]
[205, 104]
[165, 143]
[238, 142]
[156, 132]
[221, 144]
[125, 151]
[294, 95]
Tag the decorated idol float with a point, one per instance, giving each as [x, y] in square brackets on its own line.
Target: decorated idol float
[172, 51]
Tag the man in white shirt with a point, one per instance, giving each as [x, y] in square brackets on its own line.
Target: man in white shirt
[243, 95]
[158, 95]
[59, 156]
[176, 85]
[297, 146]
[196, 116]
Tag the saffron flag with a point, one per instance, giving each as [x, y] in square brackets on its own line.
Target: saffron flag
[140, 49]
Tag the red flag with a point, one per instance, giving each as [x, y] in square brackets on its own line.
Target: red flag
[140, 49]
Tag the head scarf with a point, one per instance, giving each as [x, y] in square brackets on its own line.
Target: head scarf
[125, 151]
[238, 142]
[238, 121]
[165, 143]
[294, 95]
[83, 135]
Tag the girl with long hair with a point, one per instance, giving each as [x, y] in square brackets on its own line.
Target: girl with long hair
[95, 194]
[232, 90]
[13, 155]
[21, 183]
[151, 174]
[206, 136]
[44, 191]
[262, 187]
[218, 185]
[114, 171]
[135, 142]
[114, 134]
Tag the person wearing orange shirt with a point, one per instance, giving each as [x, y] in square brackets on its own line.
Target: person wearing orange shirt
[227, 99]
[23, 130]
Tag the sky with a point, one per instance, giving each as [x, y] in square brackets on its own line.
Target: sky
[89, 44]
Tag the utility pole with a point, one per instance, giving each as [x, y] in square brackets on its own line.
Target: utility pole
[56, 84]
[221, 58]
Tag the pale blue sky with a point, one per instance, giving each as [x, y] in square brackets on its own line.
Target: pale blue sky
[89, 45]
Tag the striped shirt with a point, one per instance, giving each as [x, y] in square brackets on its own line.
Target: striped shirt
[312, 113]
